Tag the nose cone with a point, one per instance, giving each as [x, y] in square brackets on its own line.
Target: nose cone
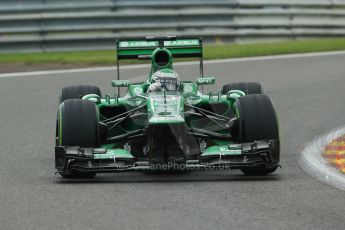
[166, 110]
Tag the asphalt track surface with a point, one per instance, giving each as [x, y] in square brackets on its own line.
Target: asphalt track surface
[309, 97]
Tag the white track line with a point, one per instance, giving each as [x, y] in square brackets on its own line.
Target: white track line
[128, 67]
[311, 160]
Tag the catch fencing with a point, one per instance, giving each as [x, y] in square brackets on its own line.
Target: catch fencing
[51, 25]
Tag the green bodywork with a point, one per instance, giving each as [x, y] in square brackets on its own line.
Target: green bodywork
[113, 154]
[163, 107]
[223, 150]
[163, 122]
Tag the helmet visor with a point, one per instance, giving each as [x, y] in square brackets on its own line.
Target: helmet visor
[168, 83]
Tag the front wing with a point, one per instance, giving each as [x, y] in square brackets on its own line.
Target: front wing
[232, 156]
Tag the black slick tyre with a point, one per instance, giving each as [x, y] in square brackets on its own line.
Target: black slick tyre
[78, 126]
[78, 91]
[258, 121]
[247, 87]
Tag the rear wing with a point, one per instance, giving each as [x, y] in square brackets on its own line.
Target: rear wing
[184, 47]
[181, 47]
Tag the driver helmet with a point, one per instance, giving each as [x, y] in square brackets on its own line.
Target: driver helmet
[167, 78]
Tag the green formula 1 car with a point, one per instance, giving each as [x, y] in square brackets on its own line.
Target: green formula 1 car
[165, 123]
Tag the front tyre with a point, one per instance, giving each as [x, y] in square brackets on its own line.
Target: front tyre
[258, 122]
[78, 126]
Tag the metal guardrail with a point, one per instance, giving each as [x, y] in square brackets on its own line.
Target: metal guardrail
[48, 25]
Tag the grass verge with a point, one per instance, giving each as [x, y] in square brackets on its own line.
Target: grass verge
[210, 52]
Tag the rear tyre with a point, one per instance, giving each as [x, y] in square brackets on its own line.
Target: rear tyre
[78, 91]
[258, 122]
[246, 87]
[78, 126]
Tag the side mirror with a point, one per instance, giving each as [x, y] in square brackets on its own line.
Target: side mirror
[120, 83]
[205, 80]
